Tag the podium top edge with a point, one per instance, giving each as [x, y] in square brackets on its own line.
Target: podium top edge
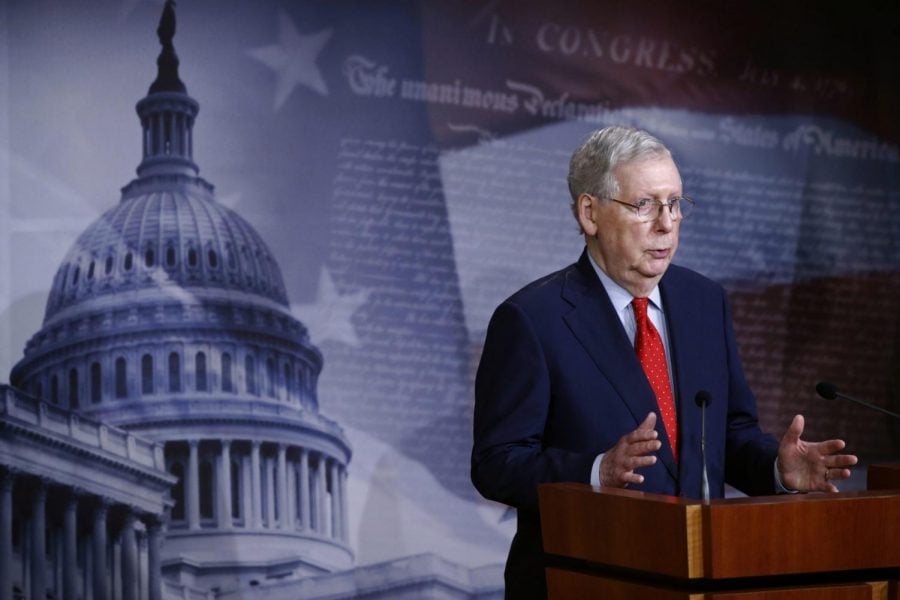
[685, 502]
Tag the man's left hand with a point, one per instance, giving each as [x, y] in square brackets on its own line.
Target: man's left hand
[811, 466]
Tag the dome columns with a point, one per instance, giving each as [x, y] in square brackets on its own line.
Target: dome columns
[260, 486]
[303, 473]
[284, 518]
[256, 483]
[167, 120]
[226, 519]
[192, 486]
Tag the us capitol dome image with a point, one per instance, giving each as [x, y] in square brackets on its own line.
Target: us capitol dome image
[161, 436]
[168, 360]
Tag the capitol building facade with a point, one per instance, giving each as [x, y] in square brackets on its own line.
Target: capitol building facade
[169, 369]
[161, 437]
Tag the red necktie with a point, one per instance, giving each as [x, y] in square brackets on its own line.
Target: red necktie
[652, 355]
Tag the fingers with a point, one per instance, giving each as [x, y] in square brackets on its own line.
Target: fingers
[631, 477]
[642, 448]
[814, 467]
[840, 460]
[829, 446]
[633, 451]
[639, 438]
[796, 428]
[830, 488]
[830, 458]
[829, 452]
[618, 471]
[645, 431]
[648, 424]
[636, 462]
[836, 473]
[636, 456]
[832, 475]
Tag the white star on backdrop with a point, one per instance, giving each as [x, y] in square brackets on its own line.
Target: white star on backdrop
[329, 318]
[293, 59]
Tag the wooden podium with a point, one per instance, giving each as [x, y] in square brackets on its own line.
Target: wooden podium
[884, 477]
[621, 544]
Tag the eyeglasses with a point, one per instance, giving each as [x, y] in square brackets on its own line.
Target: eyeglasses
[649, 209]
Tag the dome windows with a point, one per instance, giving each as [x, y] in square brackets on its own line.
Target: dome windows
[227, 385]
[288, 381]
[73, 388]
[200, 379]
[193, 259]
[213, 262]
[121, 378]
[275, 376]
[196, 240]
[250, 373]
[247, 264]
[62, 279]
[271, 376]
[147, 374]
[171, 255]
[230, 258]
[96, 383]
[167, 129]
[174, 372]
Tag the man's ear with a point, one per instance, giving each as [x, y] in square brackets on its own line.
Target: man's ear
[587, 206]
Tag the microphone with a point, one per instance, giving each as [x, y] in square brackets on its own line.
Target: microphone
[829, 391]
[703, 399]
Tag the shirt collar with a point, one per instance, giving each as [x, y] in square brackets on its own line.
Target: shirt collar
[620, 297]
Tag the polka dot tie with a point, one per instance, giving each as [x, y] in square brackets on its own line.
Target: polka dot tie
[652, 355]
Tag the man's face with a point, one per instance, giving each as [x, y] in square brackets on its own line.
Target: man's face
[635, 254]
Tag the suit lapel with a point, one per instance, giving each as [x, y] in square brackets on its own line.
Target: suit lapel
[597, 327]
[681, 322]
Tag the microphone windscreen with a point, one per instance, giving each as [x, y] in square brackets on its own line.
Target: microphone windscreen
[827, 390]
[702, 398]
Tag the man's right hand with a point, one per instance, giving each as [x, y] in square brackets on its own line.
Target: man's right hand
[633, 451]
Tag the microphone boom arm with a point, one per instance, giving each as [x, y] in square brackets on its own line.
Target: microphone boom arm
[829, 391]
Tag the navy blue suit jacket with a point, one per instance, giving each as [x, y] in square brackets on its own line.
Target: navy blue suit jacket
[559, 383]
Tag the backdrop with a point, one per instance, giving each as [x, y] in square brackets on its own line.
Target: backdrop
[406, 162]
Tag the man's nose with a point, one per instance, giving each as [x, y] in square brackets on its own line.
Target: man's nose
[664, 220]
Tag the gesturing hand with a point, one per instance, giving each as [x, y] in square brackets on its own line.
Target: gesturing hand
[811, 466]
[633, 451]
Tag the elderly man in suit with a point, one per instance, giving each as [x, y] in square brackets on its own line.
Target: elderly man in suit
[589, 374]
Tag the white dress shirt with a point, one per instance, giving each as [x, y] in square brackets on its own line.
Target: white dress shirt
[621, 301]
